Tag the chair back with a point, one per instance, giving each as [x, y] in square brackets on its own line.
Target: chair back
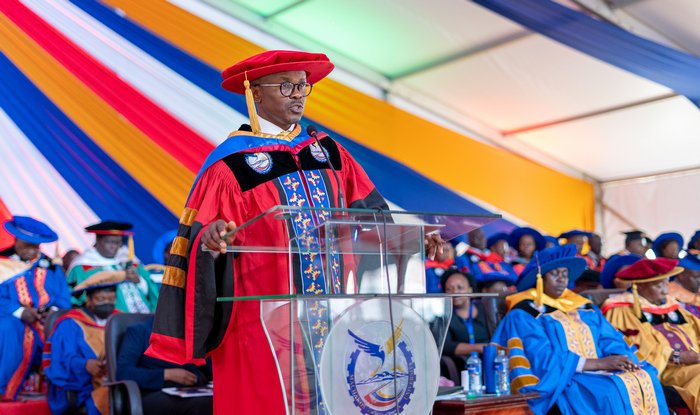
[114, 331]
[598, 297]
[50, 322]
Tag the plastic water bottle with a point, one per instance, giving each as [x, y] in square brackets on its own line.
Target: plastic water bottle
[474, 370]
[500, 367]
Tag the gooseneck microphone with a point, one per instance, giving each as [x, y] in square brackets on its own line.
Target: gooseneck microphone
[311, 130]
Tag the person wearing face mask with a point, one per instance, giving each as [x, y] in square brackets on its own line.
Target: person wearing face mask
[138, 294]
[74, 356]
[666, 334]
[556, 337]
[31, 288]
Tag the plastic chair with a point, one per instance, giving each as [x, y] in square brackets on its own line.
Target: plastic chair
[124, 395]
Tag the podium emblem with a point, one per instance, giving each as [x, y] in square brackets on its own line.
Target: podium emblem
[370, 366]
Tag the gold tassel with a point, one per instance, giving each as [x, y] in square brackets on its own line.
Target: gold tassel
[57, 260]
[250, 103]
[636, 306]
[131, 248]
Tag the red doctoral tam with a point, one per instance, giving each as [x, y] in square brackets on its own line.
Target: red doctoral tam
[648, 270]
[316, 66]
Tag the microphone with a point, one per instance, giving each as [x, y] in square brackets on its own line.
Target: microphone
[311, 130]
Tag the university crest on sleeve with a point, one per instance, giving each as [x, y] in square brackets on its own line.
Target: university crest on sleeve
[371, 367]
[318, 153]
[259, 162]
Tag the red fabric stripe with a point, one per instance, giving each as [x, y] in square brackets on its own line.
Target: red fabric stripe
[185, 145]
[6, 239]
[170, 349]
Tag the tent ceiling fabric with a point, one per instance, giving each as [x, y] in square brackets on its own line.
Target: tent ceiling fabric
[591, 116]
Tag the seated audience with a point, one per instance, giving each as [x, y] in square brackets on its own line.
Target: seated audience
[636, 242]
[555, 338]
[74, 357]
[32, 288]
[594, 254]
[525, 241]
[152, 375]
[138, 294]
[685, 288]
[498, 247]
[579, 238]
[467, 331]
[668, 245]
[666, 335]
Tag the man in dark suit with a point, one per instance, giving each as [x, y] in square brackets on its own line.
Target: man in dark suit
[153, 374]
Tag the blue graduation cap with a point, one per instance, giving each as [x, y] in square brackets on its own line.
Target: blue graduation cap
[563, 256]
[690, 262]
[500, 236]
[663, 239]
[613, 265]
[30, 230]
[484, 271]
[551, 239]
[575, 232]
[514, 237]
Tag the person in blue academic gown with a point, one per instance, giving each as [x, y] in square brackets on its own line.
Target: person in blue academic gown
[31, 288]
[563, 348]
[74, 356]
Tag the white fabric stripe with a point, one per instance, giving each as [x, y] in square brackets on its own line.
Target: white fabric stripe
[205, 114]
[33, 187]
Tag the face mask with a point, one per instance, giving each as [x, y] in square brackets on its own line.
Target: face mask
[102, 311]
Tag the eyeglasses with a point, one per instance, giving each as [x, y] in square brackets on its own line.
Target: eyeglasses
[287, 88]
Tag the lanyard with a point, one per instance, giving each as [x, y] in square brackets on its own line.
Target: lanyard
[469, 324]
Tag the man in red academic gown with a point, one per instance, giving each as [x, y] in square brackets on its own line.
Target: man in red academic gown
[272, 161]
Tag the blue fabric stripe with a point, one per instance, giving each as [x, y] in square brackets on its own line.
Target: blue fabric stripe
[104, 186]
[404, 186]
[664, 65]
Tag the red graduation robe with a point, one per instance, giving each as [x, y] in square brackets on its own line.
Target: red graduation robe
[244, 177]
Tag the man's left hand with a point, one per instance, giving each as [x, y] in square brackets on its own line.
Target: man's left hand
[433, 245]
[132, 275]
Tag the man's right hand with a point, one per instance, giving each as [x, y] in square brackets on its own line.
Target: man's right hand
[180, 376]
[213, 235]
[30, 315]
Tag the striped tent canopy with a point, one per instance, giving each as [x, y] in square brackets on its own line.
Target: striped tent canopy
[108, 108]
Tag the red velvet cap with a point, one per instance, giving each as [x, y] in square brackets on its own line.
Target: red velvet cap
[648, 270]
[316, 66]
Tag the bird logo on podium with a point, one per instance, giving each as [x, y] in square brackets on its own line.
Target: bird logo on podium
[380, 376]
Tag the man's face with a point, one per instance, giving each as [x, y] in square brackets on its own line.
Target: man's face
[275, 107]
[637, 246]
[671, 250]
[526, 246]
[577, 240]
[477, 240]
[690, 280]
[500, 247]
[26, 251]
[496, 288]
[555, 282]
[655, 292]
[108, 245]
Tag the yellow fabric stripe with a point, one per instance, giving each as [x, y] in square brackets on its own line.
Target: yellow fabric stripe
[188, 216]
[519, 362]
[515, 343]
[507, 181]
[521, 381]
[144, 160]
[179, 246]
[175, 277]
